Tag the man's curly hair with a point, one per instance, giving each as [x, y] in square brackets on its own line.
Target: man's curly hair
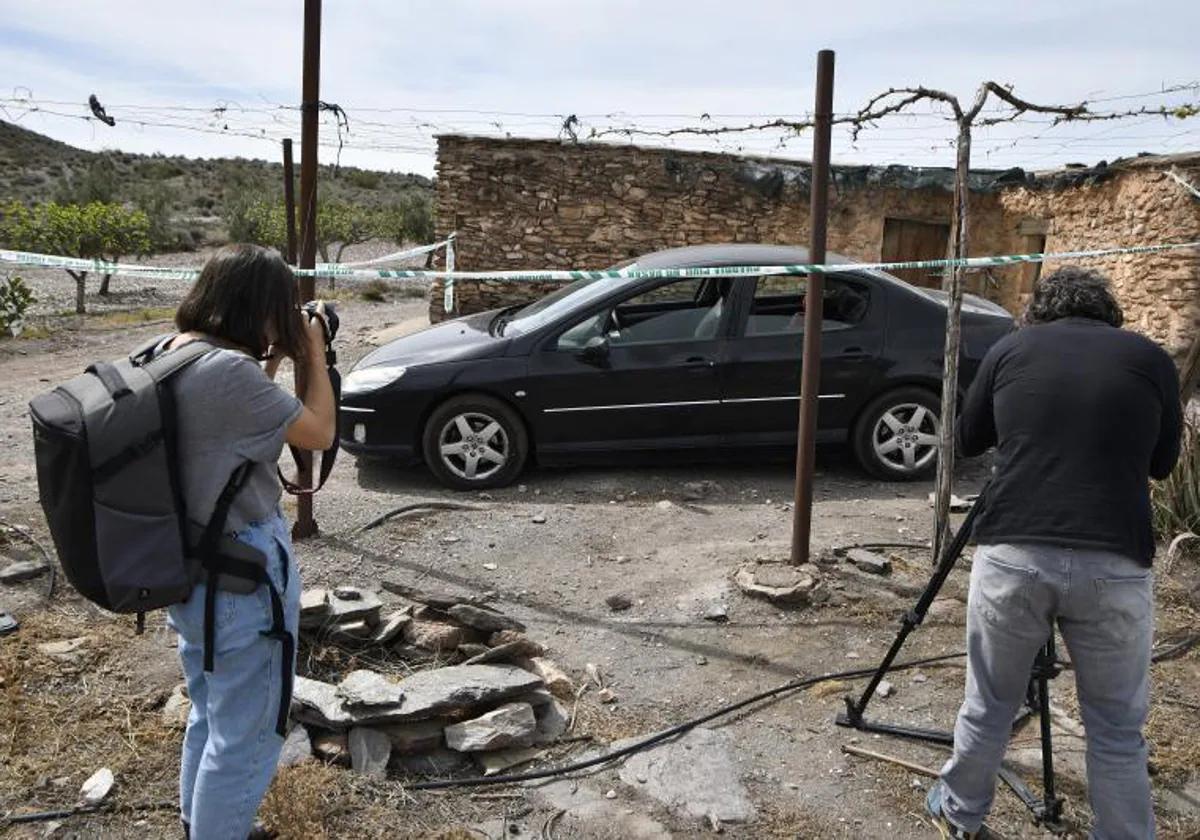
[1073, 292]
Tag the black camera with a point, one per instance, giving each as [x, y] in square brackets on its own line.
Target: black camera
[331, 318]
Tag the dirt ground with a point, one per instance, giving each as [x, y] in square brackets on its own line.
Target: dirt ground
[551, 550]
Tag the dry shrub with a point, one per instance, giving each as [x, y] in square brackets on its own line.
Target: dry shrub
[302, 800]
[1176, 498]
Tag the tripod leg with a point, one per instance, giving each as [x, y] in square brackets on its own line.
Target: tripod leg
[853, 716]
[1045, 669]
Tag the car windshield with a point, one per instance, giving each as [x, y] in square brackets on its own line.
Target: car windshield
[554, 305]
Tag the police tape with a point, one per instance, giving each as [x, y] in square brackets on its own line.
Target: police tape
[631, 272]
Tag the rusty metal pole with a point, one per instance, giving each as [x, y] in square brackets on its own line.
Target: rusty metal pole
[810, 372]
[289, 200]
[305, 525]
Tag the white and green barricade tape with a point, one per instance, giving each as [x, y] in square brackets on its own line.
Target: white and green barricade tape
[450, 275]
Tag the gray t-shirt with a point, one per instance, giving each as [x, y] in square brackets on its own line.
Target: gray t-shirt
[230, 413]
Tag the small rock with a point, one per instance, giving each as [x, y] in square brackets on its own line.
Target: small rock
[473, 649]
[511, 725]
[915, 784]
[491, 567]
[869, 561]
[607, 695]
[552, 720]
[701, 660]
[780, 583]
[451, 540]
[391, 627]
[619, 602]
[314, 602]
[539, 519]
[717, 613]
[333, 747]
[885, 689]
[297, 749]
[96, 789]
[177, 708]
[920, 678]
[67, 650]
[434, 635]
[666, 504]
[558, 683]
[370, 751]
[355, 630]
[611, 794]
[506, 638]
[348, 593]
[23, 571]
[948, 610]
[367, 688]
[852, 655]
[360, 606]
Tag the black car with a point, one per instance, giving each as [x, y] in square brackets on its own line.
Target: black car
[621, 366]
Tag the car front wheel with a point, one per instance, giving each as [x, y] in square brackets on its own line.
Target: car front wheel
[896, 436]
[473, 442]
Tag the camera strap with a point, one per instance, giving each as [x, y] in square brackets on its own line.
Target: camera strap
[329, 456]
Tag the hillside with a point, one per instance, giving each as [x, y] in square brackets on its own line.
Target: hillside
[34, 167]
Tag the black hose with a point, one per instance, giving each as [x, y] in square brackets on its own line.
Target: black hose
[794, 685]
[403, 509]
[43, 816]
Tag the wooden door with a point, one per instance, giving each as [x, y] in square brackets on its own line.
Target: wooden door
[907, 241]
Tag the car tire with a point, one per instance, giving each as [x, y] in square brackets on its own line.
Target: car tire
[473, 442]
[895, 438]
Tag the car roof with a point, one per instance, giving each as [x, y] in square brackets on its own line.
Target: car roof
[741, 253]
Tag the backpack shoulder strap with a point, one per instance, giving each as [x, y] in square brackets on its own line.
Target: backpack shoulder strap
[165, 365]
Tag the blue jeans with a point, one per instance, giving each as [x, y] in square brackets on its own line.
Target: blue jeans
[231, 748]
[1104, 606]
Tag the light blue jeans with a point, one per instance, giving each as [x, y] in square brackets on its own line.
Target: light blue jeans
[1104, 606]
[231, 748]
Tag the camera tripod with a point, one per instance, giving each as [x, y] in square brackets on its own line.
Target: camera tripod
[1047, 810]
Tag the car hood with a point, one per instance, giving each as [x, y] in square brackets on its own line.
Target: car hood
[450, 341]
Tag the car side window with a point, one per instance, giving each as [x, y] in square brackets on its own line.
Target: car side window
[779, 302]
[681, 310]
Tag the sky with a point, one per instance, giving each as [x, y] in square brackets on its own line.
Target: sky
[222, 78]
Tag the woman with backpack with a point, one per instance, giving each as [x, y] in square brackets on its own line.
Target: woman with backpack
[233, 417]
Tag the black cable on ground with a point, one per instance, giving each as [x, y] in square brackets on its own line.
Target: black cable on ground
[794, 685]
[403, 509]
[44, 816]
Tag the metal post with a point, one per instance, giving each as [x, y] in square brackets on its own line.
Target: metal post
[810, 373]
[289, 200]
[305, 525]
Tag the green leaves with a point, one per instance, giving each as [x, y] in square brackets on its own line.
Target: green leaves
[15, 298]
[90, 231]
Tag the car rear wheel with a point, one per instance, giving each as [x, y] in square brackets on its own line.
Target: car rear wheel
[897, 435]
[472, 442]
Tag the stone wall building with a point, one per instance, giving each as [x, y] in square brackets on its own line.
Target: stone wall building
[538, 204]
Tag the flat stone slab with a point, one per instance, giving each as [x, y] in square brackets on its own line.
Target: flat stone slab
[512, 725]
[695, 776]
[779, 583]
[422, 736]
[23, 571]
[391, 627]
[483, 619]
[492, 763]
[364, 607]
[367, 688]
[426, 694]
[869, 561]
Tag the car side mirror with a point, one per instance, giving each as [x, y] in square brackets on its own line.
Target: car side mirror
[595, 351]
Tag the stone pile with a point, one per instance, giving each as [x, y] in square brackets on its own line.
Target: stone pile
[495, 701]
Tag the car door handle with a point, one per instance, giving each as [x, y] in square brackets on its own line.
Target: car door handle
[699, 362]
[854, 353]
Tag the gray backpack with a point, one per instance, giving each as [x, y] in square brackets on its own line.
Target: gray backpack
[108, 482]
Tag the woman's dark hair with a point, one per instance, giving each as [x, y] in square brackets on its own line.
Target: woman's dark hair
[245, 293]
[1073, 292]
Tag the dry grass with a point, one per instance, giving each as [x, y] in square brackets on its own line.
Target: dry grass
[62, 721]
[136, 317]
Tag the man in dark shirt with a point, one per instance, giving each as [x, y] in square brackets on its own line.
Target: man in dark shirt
[1082, 415]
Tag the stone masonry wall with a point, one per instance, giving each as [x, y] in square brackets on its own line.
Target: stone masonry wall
[544, 204]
